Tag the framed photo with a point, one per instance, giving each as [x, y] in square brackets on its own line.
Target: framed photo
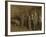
[24, 18]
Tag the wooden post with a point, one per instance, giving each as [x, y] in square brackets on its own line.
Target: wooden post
[22, 21]
[29, 23]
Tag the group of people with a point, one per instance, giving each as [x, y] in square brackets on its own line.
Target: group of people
[31, 22]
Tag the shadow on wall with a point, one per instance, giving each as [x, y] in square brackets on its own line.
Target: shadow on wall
[9, 36]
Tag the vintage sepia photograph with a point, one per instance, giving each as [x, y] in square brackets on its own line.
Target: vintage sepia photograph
[25, 18]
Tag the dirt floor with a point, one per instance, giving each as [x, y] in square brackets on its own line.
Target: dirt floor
[19, 28]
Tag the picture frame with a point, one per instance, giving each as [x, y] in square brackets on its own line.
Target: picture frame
[13, 4]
